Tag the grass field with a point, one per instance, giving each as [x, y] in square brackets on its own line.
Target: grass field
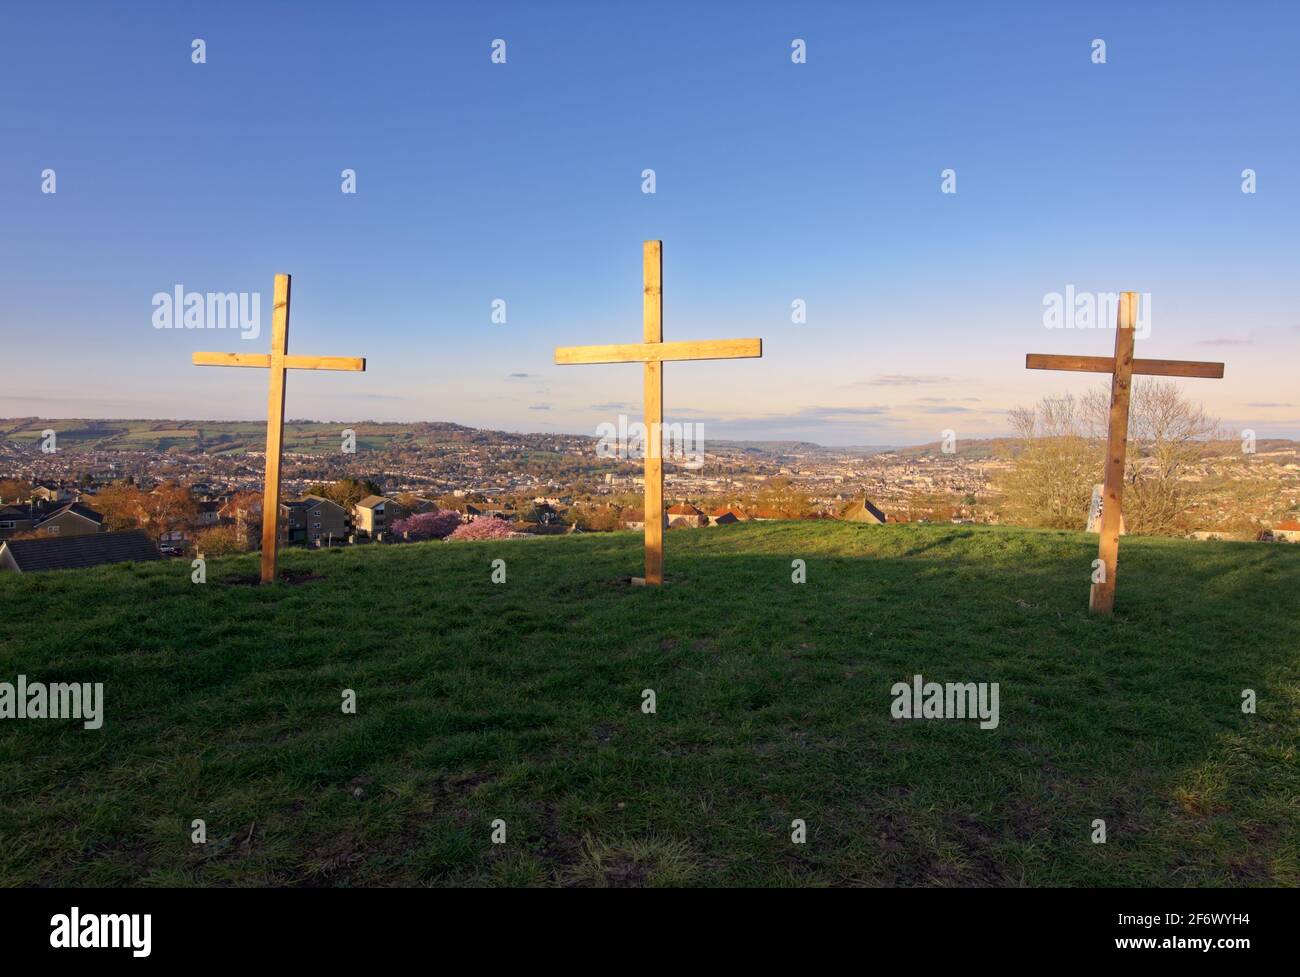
[522, 701]
[216, 437]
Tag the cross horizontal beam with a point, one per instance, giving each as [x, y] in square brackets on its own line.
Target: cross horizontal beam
[1106, 364]
[351, 364]
[699, 349]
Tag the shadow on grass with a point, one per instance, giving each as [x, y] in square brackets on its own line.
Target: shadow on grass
[523, 701]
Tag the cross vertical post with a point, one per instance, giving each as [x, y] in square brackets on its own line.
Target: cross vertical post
[1122, 367]
[652, 354]
[1101, 600]
[652, 275]
[275, 427]
[277, 363]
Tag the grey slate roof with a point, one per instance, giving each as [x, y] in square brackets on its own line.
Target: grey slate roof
[77, 507]
[90, 550]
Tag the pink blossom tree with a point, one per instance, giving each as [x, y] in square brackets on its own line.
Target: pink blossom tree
[485, 527]
[428, 525]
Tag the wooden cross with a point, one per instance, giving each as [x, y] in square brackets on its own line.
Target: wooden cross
[653, 352]
[277, 362]
[1121, 366]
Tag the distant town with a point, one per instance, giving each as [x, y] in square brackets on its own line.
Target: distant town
[195, 486]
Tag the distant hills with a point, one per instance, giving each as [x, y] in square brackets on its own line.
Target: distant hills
[320, 437]
[223, 437]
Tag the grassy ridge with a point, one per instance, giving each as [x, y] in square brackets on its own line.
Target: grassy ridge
[215, 437]
[521, 701]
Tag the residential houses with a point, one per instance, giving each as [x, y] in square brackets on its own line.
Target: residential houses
[631, 519]
[548, 513]
[863, 510]
[1287, 531]
[314, 521]
[727, 514]
[50, 492]
[244, 516]
[373, 515]
[685, 514]
[61, 519]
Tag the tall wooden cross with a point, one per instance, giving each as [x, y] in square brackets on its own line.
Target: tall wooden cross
[277, 362]
[1121, 367]
[653, 352]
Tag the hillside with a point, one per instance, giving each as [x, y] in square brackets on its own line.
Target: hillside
[522, 701]
[222, 437]
[311, 437]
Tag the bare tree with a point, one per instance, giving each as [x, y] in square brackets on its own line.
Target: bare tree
[1055, 466]
[781, 496]
[1169, 438]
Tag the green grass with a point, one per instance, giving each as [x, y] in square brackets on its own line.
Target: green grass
[216, 437]
[521, 701]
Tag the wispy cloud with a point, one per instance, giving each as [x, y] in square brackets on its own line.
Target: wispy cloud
[693, 411]
[97, 402]
[1225, 342]
[900, 380]
[807, 416]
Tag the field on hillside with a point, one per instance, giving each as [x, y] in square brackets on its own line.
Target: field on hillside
[215, 437]
[522, 702]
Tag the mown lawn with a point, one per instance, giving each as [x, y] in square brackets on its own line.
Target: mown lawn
[522, 702]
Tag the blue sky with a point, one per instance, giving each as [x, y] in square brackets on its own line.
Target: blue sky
[522, 181]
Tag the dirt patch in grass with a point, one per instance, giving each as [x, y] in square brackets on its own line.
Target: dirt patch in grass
[291, 577]
[333, 862]
[624, 873]
[459, 783]
[637, 583]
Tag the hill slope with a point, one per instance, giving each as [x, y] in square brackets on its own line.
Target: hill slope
[222, 437]
[522, 701]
